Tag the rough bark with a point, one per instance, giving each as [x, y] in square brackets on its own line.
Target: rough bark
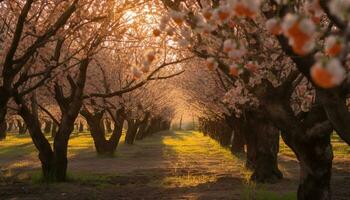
[81, 127]
[10, 126]
[3, 130]
[54, 129]
[60, 148]
[141, 133]
[47, 127]
[266, 150]
[22, 127]
[108, 125]
[131, 132]
[225, 135]
[310, 141]
[95, 122]
[238, 140]
[40, 142]
[238, 135]
[5, 95]
[251, 141]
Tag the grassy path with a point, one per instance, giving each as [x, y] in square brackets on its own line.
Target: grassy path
[170, 165]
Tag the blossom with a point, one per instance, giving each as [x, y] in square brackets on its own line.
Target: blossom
[136, 73]
[178, 17]
[251, 66]
[207, 13]
[186, 33]
[211, 63]
[237, 50]
[205, 28]
[183, 42]
[222, 13]
[328, 74]
[300, 32]
[274, 26]
[234, 69]
[228, 45]
[150, 56]
[246, 8]
[165, 19]
[146, 66]
[314, 9]
[156, 32]
[333, 46]
[170, 31]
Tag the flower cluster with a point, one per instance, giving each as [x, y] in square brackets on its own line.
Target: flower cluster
[300, 32]
[328, 73]
[147, 61]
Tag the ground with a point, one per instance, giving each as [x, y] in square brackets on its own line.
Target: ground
[168, 165]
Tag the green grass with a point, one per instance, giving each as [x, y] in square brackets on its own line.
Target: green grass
[189, 180]
[79, 177]
[258, 192]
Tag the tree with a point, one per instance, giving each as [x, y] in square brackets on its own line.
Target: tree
[294, 24]
[27, 37]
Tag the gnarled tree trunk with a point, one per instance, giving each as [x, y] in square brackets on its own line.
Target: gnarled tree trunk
[5, 97]
[41, 143]
[310, 141]
[54, 129]
[225, 134]
[238, 135]
[131, 132]
[60, 147]
[95, 122]
[141, 133]
[3, 130]
[47, 127]
[22, 127]
[108, 125]
[81, 127]
[10, 126]
[266, 150]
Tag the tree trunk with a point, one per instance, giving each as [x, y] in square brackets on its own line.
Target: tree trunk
[224, 133]
[97, 130]
[95, 122]
[3, 130]
[238, 140]
[46, 156]
[54, 129]
[316, 170]
[81, 127]
[266, 150]
[108, 126]
[22, 127]
[113, 142]
[76, 128]
[10, 126]
[238, 135]
[60, 152]
[310, 141]
[131, 132]
[98, 134]
[5, 96]
[251, 141]
[48, 125]
[142, 131]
